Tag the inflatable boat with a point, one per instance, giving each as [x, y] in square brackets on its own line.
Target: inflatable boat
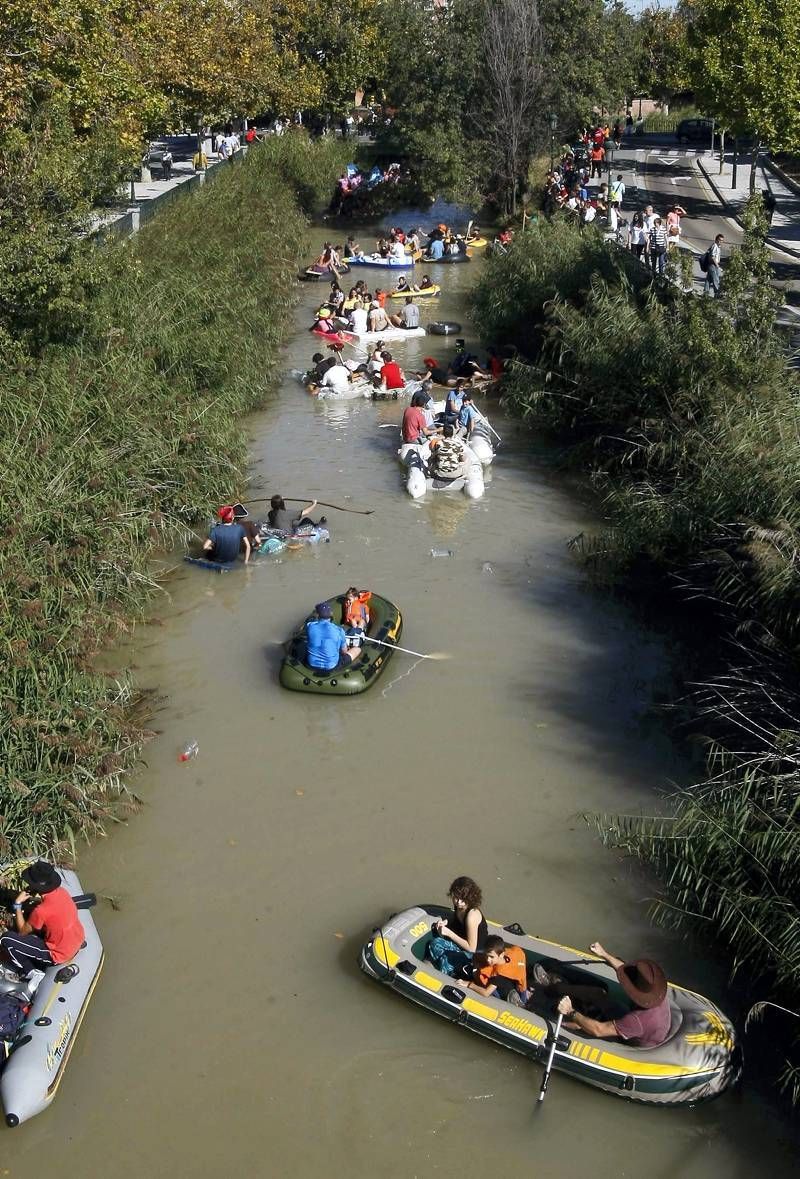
[385, 624]
[317, 273]
[699, 1059]
[414, 458]
[37, 1057]
[425, 293]
[390, 333]
[275, 541]
[379, 263]
[445, 260]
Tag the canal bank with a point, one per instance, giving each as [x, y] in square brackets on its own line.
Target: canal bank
[232, 1030]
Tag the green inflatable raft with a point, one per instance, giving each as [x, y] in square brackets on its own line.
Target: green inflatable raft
[385, 624]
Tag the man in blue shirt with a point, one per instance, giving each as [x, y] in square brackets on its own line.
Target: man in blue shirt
[225, 540]
[436, 249]
[326, 643]
[468, 414]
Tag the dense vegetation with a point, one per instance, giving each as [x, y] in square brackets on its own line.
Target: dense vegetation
[684, 411]
[114, 436]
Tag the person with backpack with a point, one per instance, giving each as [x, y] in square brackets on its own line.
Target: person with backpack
[447, 456]
[617, 191]
[710, 265]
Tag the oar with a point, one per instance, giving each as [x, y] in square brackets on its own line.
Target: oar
[549, 1066]
[406, 650]
[320, 503]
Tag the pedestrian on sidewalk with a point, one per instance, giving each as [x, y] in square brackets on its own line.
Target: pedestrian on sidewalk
[166, 165]
[597, 154]
[714, 271]
[637, 236]
[658, 247]
[617, 191]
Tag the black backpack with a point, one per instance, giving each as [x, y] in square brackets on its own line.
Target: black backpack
[704, 260]
[12, 1015]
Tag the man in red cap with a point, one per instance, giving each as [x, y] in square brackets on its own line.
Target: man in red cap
[647, 1024]
[225, 539]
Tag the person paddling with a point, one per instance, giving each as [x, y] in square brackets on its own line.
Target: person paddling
[647, 1025]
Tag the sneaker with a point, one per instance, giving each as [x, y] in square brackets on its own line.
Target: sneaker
[33, 980]
[7, 974]
[542, 977]
[515, 999]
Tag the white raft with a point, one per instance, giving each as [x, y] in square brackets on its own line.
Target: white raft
[414, 458]
[38, 1055]
[391, 333]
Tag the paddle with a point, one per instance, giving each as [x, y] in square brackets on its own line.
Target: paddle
[320, 503]
[406, 650]
[551, 1054]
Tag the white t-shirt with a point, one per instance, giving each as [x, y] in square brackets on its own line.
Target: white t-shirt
[337, 377]
[589, 214]
[358, 320]
[397, 250]
[649, 221]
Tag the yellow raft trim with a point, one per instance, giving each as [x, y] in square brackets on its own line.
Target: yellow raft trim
[427, 980]
[384, 953]
[718, 1034]
[476, 1008]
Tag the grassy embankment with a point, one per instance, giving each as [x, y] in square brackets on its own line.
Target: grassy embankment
[112, 445]
[684, 410]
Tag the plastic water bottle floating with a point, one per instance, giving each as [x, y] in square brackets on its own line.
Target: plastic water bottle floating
[191, 750]
[441, 552]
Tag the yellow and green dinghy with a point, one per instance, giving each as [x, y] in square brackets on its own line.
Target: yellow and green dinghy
[699, 1059]
[385, 626]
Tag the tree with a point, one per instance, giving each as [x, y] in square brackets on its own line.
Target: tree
[743, 59]
[662, 62]
[511, 116]
[430, 91]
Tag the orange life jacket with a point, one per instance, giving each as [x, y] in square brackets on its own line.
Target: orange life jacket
[512, 966]
[357, 612]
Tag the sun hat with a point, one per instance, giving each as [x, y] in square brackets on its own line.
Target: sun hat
[41, 877]
[643, 981]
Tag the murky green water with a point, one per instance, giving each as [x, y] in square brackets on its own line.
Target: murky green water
[232, 1033]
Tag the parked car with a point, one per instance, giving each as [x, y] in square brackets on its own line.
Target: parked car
[698, 130]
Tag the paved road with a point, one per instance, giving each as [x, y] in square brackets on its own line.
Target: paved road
[657, 172]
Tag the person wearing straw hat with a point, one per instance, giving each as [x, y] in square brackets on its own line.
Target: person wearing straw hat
[647, 1024]
[46, 927]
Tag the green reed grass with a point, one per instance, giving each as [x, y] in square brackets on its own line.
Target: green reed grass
[112, 447]
[684, 413]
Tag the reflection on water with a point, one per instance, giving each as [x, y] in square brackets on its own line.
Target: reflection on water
[232, 1032]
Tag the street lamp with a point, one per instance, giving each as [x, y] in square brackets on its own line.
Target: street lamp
[553, 129]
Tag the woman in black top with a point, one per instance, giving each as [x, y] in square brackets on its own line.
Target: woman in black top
[279, 515]
[456, 939]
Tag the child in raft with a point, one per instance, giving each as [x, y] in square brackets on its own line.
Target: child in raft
[355, 615]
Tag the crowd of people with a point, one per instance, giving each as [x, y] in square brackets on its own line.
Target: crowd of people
[462, 948]
[352, 181]
[653, 237]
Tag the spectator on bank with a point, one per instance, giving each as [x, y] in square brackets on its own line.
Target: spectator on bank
[714, 272]
[657, 242]
[597, 156]
[617, 191]
[166, 164]
[637, 235]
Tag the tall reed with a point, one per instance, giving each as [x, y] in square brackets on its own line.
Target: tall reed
[113, 445]
[683, 411]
